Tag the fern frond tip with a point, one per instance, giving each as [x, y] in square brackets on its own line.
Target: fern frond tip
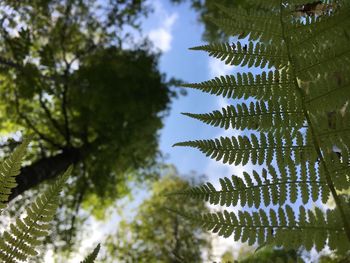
[91, 257]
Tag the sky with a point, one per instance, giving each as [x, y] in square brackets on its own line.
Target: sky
[173, 30]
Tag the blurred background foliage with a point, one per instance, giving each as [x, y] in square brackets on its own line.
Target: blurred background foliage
[68, 77]
[154, 234]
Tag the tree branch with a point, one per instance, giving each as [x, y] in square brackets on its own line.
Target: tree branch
[32, 126]
[64, 106]
[49, 115]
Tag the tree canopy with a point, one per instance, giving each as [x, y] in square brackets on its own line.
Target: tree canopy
[156, 235]
[68, 78]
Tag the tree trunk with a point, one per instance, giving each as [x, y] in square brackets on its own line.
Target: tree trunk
[44, 169]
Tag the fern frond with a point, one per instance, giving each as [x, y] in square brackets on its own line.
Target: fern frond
[306, 32]
[257, 55]
[242, 149]
[19, 243]
[311, 229]
[259, 116]
[257, 24]
[253, 190]
[9, 169]
[91, 257]
[302, 111]
[245, 85]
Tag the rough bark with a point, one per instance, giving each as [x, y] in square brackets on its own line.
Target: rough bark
[45, 169]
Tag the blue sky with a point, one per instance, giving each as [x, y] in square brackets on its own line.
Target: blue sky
[173, 29]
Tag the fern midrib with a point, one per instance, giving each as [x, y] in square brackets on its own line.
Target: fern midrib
[257, 148]
[262, 55]
[34, 222]
[266, 184]
[237, 85]
[225, 117]
[254, 227]
[312, 129]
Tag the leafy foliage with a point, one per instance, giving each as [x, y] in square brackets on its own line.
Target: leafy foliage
[154, 235]
[295, 125]
[72, 77]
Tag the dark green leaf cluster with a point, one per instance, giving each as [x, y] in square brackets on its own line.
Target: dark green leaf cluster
[295, 125]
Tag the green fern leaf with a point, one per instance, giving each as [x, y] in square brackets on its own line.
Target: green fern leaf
[259, 116]
[301, 109]
[257, 55]
[19, 243]
[245, 85]
[9, 169]
[239, 149]
[282, 228]
[91, 257]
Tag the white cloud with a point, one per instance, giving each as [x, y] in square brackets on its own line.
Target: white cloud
[218, 68]
[161, 36]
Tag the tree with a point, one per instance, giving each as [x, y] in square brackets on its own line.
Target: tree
[265, 255]
[156, 235]
[293, 120]
[67, 78]
[269, 254]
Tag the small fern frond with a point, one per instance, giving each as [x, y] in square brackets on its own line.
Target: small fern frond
[246, 85]
[268, 188]
[19, 243]
[257, 55]
[279, 227]
[259, 151]
[259, 116]
[256, 25]
[9, 169]
[92, 256]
